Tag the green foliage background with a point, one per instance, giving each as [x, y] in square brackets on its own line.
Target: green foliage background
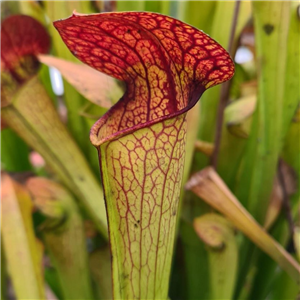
[254, 141]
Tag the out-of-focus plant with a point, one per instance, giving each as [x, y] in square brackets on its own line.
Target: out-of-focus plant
[237, 231]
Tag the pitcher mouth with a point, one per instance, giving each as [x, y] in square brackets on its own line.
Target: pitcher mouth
[98, 140]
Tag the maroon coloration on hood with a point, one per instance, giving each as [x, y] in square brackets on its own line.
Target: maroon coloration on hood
[165, 63]
[22, 38]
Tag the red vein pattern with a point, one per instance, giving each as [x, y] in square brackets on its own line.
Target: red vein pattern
[22, 38]
[166, 66]
[165, 63]
[143, 172]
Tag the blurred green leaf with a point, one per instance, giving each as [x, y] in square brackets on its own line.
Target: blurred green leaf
[204, 147]
[197, 14]
[237, 116]
[100, 265]
[131, 5]
[291, 74]
[218, 234]
[265, 140]
[74, 101]
[276, 204]
[14, 152]
[210, 187]
[33, 9]
[284, 288]
[220, 31]
[296, 239]
[192, 131]
[38, 123]
[196, 264]
[154, 6]
[64, 237]
[52, 280]
[291, 149]
[23, 252]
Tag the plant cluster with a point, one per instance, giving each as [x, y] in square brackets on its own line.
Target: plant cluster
[169, 164]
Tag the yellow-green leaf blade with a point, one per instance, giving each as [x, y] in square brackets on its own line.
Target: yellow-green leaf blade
[22, 252]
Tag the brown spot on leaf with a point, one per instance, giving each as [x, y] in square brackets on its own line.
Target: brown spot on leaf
[268, 28]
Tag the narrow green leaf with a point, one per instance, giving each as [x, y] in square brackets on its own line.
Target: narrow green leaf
[22, 251]
[265, 141]
[291, 149]
[247, 286]
[292, 70]
[196, 264]
[73, 100]
[53, 281]
[222, 20]
[231, 147]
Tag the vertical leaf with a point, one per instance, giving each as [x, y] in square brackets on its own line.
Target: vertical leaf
[196, 263]
[64, 237]
[77, 125]
[220, 30]
[218, 234]
[292, 71]
[196, 13]
[265, 141]
[22, 252]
